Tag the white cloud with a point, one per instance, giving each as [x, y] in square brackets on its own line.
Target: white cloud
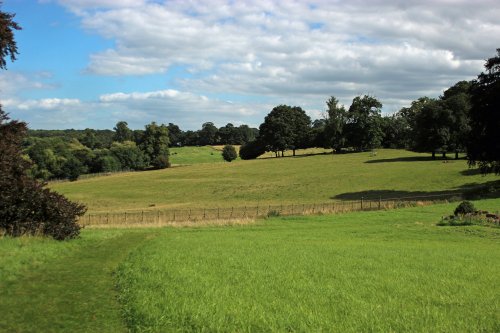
[280, 48]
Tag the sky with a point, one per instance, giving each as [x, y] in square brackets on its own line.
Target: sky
[91, 63]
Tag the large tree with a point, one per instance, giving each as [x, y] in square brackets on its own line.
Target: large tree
[483, 148]
[8, 46]
[154, 144]
[285, 127]
[363, 129]
[336, 120]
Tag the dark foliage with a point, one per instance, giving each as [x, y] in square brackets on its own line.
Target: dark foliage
[25, 206]
[252, 150]
[8, 46]
[483, 146]
[229, 153]
[465, 207]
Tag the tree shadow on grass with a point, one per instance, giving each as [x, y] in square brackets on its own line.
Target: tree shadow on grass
[489, 189]
[406, 159]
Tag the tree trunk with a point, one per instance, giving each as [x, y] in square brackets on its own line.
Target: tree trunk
[293, 152]
[282, 153]
[433, 155]
[444, 154]
[456, 154]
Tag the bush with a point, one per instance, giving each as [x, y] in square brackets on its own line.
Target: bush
[465, 207]
[229, 153]
[161, 162]
[252, 150]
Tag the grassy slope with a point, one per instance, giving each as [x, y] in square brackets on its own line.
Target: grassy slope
[359, 272]
[378, 271]
[310, 179]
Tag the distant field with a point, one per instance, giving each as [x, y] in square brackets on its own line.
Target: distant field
[311, 179]
[194, 155]
[392, 271]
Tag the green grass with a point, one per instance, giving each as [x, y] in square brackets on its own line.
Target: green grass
[194, 155]
[312, 179]
[368, 271]
[362, 272]
[52, 286]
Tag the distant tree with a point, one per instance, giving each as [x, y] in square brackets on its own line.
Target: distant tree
[483, 147]
[191, 138]
[246, 134]
[457, 100]
[8, 46]
[229, 153]
[122, 132]
[335, 124]
[251, 150]
[154, 144]
[208, 134]
[73, 168]
[285, 127]
[363, 129]
[228, 134]
[433, 125]
[128, 155]
[89, 139]
[175, 135]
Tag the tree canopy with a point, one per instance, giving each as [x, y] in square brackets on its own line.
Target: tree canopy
[483, 147]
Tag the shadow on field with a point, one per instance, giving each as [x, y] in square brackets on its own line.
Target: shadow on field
[470, 191]
[406, 159]
[296, 156]
[470, 172]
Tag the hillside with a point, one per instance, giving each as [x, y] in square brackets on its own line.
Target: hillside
[311, 179]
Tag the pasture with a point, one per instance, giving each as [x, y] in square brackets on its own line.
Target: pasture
[367, 271]
[275, 181]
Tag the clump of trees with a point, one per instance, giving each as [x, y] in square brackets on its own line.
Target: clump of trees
[26, 207]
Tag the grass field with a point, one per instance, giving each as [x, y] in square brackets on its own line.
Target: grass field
[290, 180]
[359, 272]
[194, 155]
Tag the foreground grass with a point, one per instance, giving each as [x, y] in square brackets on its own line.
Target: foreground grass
[361, 272]
[367, 271]
[51, 286]
[312, 179]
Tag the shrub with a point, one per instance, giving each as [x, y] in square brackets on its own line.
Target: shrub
[273, 213]
[465, 207]
[252, 150]
[229, 153]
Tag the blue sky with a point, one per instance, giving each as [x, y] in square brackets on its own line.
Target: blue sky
[91, 63]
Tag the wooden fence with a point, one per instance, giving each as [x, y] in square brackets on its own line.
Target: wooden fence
[253, 212]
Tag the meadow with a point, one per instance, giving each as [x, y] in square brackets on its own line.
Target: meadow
[195, 155]
[376, 271]
[274, 181]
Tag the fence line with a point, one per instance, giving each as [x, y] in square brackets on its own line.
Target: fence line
[253, 212]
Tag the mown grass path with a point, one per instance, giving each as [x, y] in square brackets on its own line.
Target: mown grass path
[71, 293]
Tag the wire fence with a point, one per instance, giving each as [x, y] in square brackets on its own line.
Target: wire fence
[258, 211]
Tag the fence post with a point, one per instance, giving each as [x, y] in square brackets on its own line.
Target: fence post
[361, 203]
[158, 216]
[257, 211]
[107, 218]
[314, 206]
[218, 213]
[231, 216]
[174, 215]
[142, 217]
[379, 202]
[189, 216]
[204, 213]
